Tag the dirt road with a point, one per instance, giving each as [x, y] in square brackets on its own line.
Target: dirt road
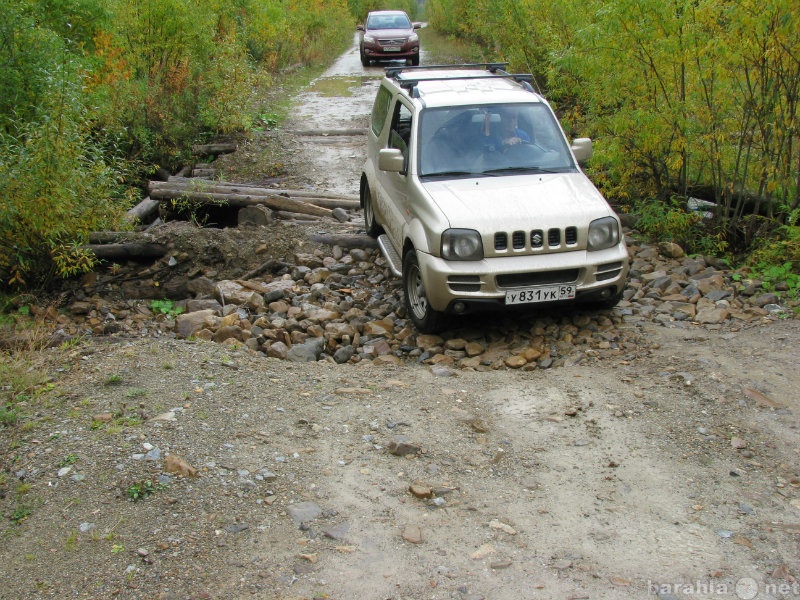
[183, 469]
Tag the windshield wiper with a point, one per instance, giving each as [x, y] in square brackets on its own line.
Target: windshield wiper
[521, 170]
[450, 173]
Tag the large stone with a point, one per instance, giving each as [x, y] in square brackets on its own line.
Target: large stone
[254, 215]
[670, 250]
[303, 512]
[711, 315]
[190, 323]
[306, 352]
[232, 292]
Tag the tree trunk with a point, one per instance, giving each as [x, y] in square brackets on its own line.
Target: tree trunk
[345, 240]
[127, 251]
[208, 185]
[144, 210]
[214, 149]
[273, 201]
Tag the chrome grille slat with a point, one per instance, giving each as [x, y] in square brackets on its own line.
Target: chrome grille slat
[536, 239]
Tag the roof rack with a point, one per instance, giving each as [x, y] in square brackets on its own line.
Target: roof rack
[393, 72]
[495, 70]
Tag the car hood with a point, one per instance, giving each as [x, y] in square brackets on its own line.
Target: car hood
[389, 33]
[528, 201]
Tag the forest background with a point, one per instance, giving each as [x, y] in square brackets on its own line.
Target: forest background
[685, 99]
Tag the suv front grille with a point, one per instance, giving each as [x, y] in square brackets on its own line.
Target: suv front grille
[537, 239]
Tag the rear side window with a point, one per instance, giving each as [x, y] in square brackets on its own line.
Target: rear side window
[379, 109]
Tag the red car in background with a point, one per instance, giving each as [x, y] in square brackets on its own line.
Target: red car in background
[389, 35]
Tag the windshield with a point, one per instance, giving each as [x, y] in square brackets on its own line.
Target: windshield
[388, 22]
[491, 139]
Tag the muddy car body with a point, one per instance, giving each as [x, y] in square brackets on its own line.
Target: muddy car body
[471, 223]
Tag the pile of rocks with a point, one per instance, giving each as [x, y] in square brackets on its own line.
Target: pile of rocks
[345, 306]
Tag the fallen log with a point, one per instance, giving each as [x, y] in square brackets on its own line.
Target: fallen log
[273, 201]
[293, 216]
[127, 251]
[345, 240]
[329, 132]
[328, 203]
[209, 185]
[214, 149]
[120, 237]
[144, 210]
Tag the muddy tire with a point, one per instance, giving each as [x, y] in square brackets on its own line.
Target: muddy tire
[425, 319]
[415, 61]
[370, 223]
[610, 302]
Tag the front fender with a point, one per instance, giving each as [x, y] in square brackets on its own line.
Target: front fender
[414, 234]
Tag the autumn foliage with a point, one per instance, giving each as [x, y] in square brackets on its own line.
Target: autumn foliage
[94, 94]
[683, 98]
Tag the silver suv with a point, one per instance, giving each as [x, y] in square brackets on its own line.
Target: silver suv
[477, 199]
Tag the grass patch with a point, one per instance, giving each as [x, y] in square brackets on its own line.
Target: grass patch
[8, 416]
[139, 490]
[71, 542]
[23, 383]
[342, 86]
[21, 513]
[69, 459]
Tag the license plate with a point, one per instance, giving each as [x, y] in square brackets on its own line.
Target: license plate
[392, 48]
[549, 293]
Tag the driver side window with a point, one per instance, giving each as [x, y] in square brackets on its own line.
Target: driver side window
[400, 134]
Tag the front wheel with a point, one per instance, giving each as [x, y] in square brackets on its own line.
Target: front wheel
[610, 302]
[425, 319]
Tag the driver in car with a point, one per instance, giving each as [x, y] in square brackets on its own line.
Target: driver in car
[508, 132]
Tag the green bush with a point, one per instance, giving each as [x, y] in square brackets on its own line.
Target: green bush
[666, 220]
[56, 187]
[777, 259]
[95, 94]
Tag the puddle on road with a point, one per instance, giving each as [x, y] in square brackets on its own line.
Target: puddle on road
[339, 86]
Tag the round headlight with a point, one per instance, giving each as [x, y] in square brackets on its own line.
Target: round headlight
[603, 233]
[462, 244]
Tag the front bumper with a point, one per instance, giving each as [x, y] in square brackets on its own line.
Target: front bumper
[595, 274]
[378, 52]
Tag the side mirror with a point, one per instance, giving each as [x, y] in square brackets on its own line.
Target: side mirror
[391, 159]
[582, 149]
[359, 28]
[417, 25]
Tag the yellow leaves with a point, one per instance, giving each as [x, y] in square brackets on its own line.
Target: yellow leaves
[71, 259]
[114, 67]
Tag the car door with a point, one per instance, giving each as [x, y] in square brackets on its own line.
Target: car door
[393, 187]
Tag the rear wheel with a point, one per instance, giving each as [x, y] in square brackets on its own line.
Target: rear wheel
[370, 223]
[425, 319]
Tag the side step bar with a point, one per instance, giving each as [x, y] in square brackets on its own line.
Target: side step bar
[391, 255]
